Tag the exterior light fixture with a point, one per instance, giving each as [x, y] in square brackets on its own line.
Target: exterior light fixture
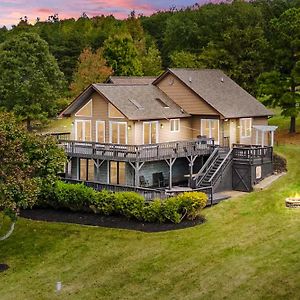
[129, 127]
[161, 125]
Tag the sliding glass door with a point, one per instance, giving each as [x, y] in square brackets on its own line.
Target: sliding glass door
[210, 128]
[117, 173]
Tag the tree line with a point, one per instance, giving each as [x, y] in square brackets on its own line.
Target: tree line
[256, 43]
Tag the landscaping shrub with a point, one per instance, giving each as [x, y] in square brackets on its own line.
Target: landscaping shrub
[279, 163]
[192, 203]
[171, 209]
[103, 203]
[78, 197]
[152, 212]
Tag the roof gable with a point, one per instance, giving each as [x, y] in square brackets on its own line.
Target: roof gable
[135, 102]
[221, 92]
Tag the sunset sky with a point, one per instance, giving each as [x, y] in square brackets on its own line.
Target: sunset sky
[12, 10]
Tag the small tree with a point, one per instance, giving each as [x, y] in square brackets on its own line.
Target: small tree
[151, 62]
[30, 80]
[91, 68]
[27, 161]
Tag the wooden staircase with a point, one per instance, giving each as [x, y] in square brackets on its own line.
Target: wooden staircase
[213, 168]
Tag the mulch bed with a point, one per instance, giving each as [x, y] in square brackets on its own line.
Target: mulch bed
[51, 215]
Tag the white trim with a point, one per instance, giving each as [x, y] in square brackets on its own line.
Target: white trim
[91, 112]
[157, 133]
[173, 120]
[241, 129]
[110, 131]
[100, 122]
[210, 131]
[83, 129]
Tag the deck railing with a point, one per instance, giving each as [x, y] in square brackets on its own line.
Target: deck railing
[126, 152]
[252, 152]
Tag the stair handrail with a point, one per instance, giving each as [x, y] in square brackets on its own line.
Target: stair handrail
[206, 166]
[220, 167]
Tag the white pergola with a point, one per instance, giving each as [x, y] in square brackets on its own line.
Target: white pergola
[262, 129]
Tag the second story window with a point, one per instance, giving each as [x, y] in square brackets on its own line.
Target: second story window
[246, 124]
[175, 125]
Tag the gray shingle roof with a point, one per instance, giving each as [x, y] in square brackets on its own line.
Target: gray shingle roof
[138, 102]
[222, 93]
[131, 79]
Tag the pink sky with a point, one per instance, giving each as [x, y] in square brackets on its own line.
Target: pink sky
[12, 10]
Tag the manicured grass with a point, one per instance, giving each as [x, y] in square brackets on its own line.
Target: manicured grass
[248, 249]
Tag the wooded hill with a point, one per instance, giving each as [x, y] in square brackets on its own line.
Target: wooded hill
[256, 43]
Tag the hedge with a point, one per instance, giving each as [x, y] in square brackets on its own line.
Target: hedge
[78, 197]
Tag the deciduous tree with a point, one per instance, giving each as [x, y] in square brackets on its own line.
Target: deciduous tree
[279, 86]
[27, 162]
[122, 55]
[92, 68]
[30, 80]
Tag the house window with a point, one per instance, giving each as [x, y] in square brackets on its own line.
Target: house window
[175, 125]
[83, 130]
[246, 124]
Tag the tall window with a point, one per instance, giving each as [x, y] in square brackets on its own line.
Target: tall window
[175, 125]
[150, 132]
[245, 127]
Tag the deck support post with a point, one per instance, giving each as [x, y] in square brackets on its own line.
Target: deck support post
[68, 166]
[170, 163]
[97, 163]
[137, 167]
[191, 159]
[78, 168]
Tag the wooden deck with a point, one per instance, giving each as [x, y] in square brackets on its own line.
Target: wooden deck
[133, 153]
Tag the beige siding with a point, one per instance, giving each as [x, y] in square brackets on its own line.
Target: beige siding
[100, 113]
[185, 97]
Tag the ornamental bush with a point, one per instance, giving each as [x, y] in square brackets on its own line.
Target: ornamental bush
[191, 203]
[78, 197]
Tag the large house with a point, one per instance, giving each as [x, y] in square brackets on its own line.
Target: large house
[188, 126]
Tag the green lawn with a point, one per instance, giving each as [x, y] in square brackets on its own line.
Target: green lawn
[249, 248]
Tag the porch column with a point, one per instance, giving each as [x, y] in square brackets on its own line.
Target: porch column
[272, 138]
[256, 136]
[262, 138]
[170, 163]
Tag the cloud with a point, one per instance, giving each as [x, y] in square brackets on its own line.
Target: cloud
[12, 10]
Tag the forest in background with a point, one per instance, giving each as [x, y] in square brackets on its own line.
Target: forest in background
[256, 43]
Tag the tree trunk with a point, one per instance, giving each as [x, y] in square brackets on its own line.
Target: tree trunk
[28, 124]
[293, 125]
